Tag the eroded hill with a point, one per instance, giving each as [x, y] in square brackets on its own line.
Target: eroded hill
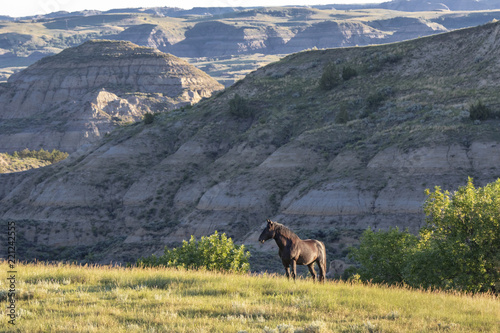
[77, 96]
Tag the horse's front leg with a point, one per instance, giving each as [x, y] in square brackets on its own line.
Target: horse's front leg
[286, 264]
[294, 269]
[287, 270]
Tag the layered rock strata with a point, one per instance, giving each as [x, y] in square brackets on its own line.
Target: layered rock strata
[75, 97]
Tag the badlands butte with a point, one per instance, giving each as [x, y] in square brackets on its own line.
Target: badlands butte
[329, 163]
[72, 99]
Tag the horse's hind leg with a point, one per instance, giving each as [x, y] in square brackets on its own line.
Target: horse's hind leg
[322, 269]
[322, 261]
[311, 269]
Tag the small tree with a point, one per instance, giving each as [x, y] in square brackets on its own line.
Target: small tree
[214, 252]
[458, 249]
[330, 77]
[348, 73]
[238, 106]
[342, 116]
[463, 236]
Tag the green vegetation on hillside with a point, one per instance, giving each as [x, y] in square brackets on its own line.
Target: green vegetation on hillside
[479, 111]
[214, 253]
[29, 159]
[459, 248]
[68, 298]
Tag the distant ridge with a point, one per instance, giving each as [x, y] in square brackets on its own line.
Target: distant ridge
[208, 36]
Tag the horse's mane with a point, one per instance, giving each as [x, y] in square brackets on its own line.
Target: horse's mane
[285, 231]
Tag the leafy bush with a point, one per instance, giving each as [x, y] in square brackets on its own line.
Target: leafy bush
[330, 77]
[392, 58]
[348, 73]
[459, 248]
[479, 111]
[215, 252]
[238, 106]
[383, 255]
[375, 100]
[149, 118]
[463, 237]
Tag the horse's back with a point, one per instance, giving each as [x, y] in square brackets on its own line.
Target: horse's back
[318, 244]
[310, 251]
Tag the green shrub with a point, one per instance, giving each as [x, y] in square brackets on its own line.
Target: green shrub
[42, 154]
[479, 111]
[383, 255]
[149, 118]
[238, 106]
[215, 252]
[462, 238]
[459, 248]
[375, 100]
[330, 77]
[348, 73]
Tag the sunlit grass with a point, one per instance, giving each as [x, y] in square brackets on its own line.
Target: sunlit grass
[69, 298]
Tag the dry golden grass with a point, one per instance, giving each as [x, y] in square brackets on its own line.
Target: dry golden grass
[70, 298]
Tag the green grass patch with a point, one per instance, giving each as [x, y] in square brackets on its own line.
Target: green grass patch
[27, 159]
[69, 298]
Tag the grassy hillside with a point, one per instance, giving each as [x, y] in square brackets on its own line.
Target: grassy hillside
[26, 160]
[66, 298]
[11, 164]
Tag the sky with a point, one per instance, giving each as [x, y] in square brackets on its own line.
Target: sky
[18, 8]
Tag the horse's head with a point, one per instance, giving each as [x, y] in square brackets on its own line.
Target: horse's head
[268, 232]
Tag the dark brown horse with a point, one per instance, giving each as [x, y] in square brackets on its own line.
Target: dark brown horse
[295, 251]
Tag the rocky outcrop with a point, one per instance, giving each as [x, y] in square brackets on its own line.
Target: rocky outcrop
[214, 38]
[336, 269]
[149, 35]
[333, 34]
[74, 98]
[404, 28]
